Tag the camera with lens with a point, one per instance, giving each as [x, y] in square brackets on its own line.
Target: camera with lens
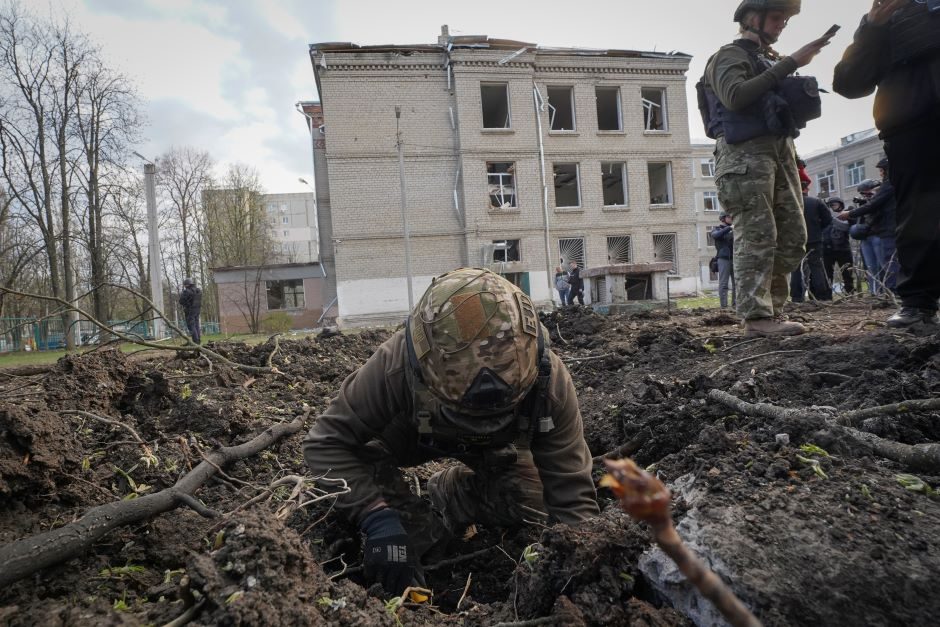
[860, 200]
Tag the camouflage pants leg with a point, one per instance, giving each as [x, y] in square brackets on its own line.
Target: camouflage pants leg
[499, 497]
[758, 184]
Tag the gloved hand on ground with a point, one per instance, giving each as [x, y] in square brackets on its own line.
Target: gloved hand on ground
[387, 556]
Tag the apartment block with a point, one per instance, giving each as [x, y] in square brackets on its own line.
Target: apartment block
[707, 207]
[838, 171]
[293, 220]
[515, 157]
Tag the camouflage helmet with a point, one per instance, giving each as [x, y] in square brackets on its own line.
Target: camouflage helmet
[187, 282]
[476, 340]
[790, 7]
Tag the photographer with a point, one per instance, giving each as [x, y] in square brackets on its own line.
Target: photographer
[837, 246]
[744, 106]
[817, 219]
[897, 50]
[879, 208]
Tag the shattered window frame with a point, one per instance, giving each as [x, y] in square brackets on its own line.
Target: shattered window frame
[501, 185]
[506, 250]
[564, 95]
[488, 95]
[657, 200]
[651, 122]
[285, 294]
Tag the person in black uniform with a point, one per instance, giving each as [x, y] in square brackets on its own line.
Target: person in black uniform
[723, 236]
[837, 247]
[897, 50]
[817, 218]
[191, 302]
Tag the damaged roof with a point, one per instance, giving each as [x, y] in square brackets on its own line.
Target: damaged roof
[484, 42]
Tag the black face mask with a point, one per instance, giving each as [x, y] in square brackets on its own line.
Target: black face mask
[482, 428]
[488, 391]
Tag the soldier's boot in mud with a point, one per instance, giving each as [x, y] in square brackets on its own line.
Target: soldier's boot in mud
[769, 327]
[908, 316]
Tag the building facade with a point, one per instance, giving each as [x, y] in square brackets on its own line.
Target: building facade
[250, 295]
[707, 207]
[293, 220]
[516, 157]
[838, 171]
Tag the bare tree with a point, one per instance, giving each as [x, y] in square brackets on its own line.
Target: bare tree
[182, 175]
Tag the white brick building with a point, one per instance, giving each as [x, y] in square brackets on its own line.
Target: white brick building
[838, 171]
[707, 207]
[516, 157]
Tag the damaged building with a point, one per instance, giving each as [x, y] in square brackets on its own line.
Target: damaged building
[517, 157]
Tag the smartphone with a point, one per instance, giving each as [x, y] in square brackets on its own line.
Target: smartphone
[831, 32]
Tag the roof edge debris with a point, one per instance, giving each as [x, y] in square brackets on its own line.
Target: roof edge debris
[477, 42]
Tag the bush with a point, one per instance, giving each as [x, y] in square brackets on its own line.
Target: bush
[277, 322]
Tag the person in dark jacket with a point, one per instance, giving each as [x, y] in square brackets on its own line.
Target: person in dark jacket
[897, 50]
[723, 236]
[576, 283]
[837, 247]
[817, 218]
[880, 213]
[191, 302]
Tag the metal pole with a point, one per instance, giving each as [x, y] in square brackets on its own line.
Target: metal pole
[404, 206]
[156, 288]
[549, 273]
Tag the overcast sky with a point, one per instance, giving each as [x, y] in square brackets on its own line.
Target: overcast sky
[223, 75]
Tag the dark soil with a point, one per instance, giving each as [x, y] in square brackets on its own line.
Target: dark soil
[844, 543]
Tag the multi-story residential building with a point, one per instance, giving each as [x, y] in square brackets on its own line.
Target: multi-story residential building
[516, 157]
[707, 206]
[838, 171]
[293, 220]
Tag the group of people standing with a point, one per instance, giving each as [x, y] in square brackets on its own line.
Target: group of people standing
[569, 285]
[753, 106]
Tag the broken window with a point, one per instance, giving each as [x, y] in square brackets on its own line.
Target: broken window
[571, 249]
[495, 99]
[561, 108]
[654, 109]
[660, 176]
[614, 180]
[619, 249]
[608, 109]
[707, 168]
[287, 294]
[506, 250]
[664, 250]
[501, 184]
[567, 186]
[711, 201]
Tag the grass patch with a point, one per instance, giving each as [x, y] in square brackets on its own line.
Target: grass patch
[698, 302]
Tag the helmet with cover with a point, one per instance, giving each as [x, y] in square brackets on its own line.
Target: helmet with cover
[789, 7]
[187, 282]
[476, 340]
[868, 185]
[833, 200]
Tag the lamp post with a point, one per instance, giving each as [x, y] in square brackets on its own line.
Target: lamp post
[404, 205]
[156, 289]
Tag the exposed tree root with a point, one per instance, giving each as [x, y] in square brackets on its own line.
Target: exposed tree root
[924, 457]
[29, 555]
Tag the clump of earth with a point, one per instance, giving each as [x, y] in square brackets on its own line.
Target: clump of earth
[808, 526]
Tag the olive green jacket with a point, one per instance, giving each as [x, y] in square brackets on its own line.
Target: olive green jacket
[375, 403]
[730, 73]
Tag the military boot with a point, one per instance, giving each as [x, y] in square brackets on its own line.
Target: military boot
[908, 316]
[769, 327]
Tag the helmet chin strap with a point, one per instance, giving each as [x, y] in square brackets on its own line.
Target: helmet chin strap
[765, 38]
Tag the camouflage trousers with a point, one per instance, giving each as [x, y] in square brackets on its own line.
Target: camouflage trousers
[473, 492]
[758, 184]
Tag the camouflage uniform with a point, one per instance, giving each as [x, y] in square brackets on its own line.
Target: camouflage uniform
[758, 184]
[385, 417]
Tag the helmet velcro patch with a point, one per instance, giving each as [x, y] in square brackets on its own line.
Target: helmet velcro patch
[530, 319]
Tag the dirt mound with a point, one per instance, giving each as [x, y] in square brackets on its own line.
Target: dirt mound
[807, 524]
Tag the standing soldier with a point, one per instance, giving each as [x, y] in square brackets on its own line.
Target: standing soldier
[753, 109]
[191, 302]
[723, 235]
[576, 283]
[471, 377]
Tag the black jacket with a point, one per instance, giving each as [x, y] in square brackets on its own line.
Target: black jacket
[909, 91]
[818, 217]
[723, 235]
[575, 280]
[191, 299]
[880, 211]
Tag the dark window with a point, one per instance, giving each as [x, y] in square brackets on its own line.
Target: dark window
[505, 250]
[608, 109]
[495, 99]
[287, 294]
[561, 108]
[614, 181]
[567, 187]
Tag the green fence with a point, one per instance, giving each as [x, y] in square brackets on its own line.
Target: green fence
[31, 334]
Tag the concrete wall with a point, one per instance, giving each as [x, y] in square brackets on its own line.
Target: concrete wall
[236, 288]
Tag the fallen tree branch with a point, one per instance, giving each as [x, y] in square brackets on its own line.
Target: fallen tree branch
[925, 457]
[24, 557]
[855, 417]
[752, 358]
[579, 360]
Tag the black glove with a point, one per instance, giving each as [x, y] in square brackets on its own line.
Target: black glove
[387, 558]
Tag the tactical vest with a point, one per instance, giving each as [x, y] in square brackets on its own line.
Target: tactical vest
[497, 443]
[780, 112]
[914, 33]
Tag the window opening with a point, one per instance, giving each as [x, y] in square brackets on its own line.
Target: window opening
[614, 180]
[654, 108]
[608, 109]
[711, 201]
[619, 249]
[561, 108]
[285, 219]
[827, 183]
[567, 186]
[287, 294]
[506, 250]
[571, 249]
[856, 173]
[708, 168]
[660, 179]
[495, 99]
[501, 184]
[664, 250]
